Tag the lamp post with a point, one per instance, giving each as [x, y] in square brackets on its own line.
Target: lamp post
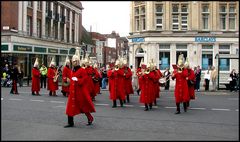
[217, 57]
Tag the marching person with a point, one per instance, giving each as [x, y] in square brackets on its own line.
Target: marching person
[79, 100]
[181, 87]
[127, 80]
[147, 95]
[36, 78]
[139, 72]
[43, 71]
[166, 74]
[158, 75]
[116, 84]
[190, 81]
[52, 79]
[66, 78]
[96, 79]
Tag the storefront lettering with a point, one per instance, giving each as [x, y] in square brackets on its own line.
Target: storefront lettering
[52, 50]
[22, 48]
[138, 40]
[205, 39]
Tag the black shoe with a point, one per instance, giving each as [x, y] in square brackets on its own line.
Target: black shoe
[89, 123]
[33, 94]
[177, 112]
[146, 109]
[69, 125]
[114, 106]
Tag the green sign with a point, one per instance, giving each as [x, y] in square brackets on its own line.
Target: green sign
[50, 50]
[40, 49]
[22, 48]
[4, 47]
[72, 51]
[63, 52]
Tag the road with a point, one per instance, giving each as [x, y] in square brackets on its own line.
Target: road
[212, 116]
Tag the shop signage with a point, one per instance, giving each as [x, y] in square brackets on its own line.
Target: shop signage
[50, 50]
[4, 47]
[63, 51]
[138, 39]
[40, 49]
[22, 48]
[205, 39]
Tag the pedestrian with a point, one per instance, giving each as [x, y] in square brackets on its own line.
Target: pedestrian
[36, 75]
[79, 100]
[20, 77]
[190, 82]
[166, 75]
[207, 79]
[104, 78]
[139, 74]
[14, 76]
[181, 87]
[198, 77]
[66, 78]
[147, 96]
[116, 84]
[43, 71]
[52, 76]
[233, 82]
[213, 77]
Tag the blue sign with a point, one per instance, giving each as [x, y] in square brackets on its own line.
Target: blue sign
[138, 40]
[205, 39]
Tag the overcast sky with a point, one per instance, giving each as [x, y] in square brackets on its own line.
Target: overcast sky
[106, 16]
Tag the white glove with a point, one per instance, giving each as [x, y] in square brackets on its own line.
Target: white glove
[74, 79]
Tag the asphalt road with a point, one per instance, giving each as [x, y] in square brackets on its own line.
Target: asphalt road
[212, 116]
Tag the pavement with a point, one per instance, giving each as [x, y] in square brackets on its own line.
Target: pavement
[211, 116]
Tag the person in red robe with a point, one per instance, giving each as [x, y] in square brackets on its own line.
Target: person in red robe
[158, 75]
[116, 82]
[66, 78]
[190, 81]
[36, 78]
[89, 81]
[139, 74]
[181, 87]
[127, 80]
[96, 79]
[51, 74]
[79, 99]
[147, 95]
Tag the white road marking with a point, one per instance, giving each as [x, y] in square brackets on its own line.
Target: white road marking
[37, 100]
[56, 102]
[102, 104]
[169, 107]
[59, 106]
[15, 99]
[198, 108]
[236, 109]
[129, 105]
[220, 109]
[236, 99]
[1, 99]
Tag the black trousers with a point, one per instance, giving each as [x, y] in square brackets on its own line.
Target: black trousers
[207, 84]
[43, 81]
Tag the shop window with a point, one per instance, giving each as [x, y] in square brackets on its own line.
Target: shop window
[181, 52]
[207, 59]
[164, 60]
[224, 64]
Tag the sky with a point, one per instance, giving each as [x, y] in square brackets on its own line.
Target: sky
[106, 16]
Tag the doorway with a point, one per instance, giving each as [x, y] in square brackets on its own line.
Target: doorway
[138, 61]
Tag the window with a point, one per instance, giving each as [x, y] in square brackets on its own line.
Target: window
[143, 24]
[143, 10]
[73, 17]
[223, 21]
[224, 64]
[47, 7]
[137, 24]
[159, 16]
[62, 32]
[207, 59]
[181, 52]
[180, 14]
[68, 14]
[164, 60]
[73, 40]
[232, 17]
[38, 28]
[39, 5]
[55, 30]
[205, 17]
[48, 29]
[159, 8]
[136, 11]
[30, 4]
[29, 25]
[67, 34]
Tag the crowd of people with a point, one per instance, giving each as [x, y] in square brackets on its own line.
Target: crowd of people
[82, 81]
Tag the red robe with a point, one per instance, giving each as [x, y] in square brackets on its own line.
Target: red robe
[181, 87]
[139, 75]
[158, 75]
[96, 80]
[191, 90]
[79, 100]
[35, 79]
[116, 82]
[147, 90]
[65, 74]
[89, 81]
[128, 81]
[52, 86]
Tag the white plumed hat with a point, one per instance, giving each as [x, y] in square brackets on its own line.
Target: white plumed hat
[36, 63]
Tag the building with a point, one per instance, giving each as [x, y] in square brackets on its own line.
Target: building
[43, 29]
[123, 47]
[161, 30]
